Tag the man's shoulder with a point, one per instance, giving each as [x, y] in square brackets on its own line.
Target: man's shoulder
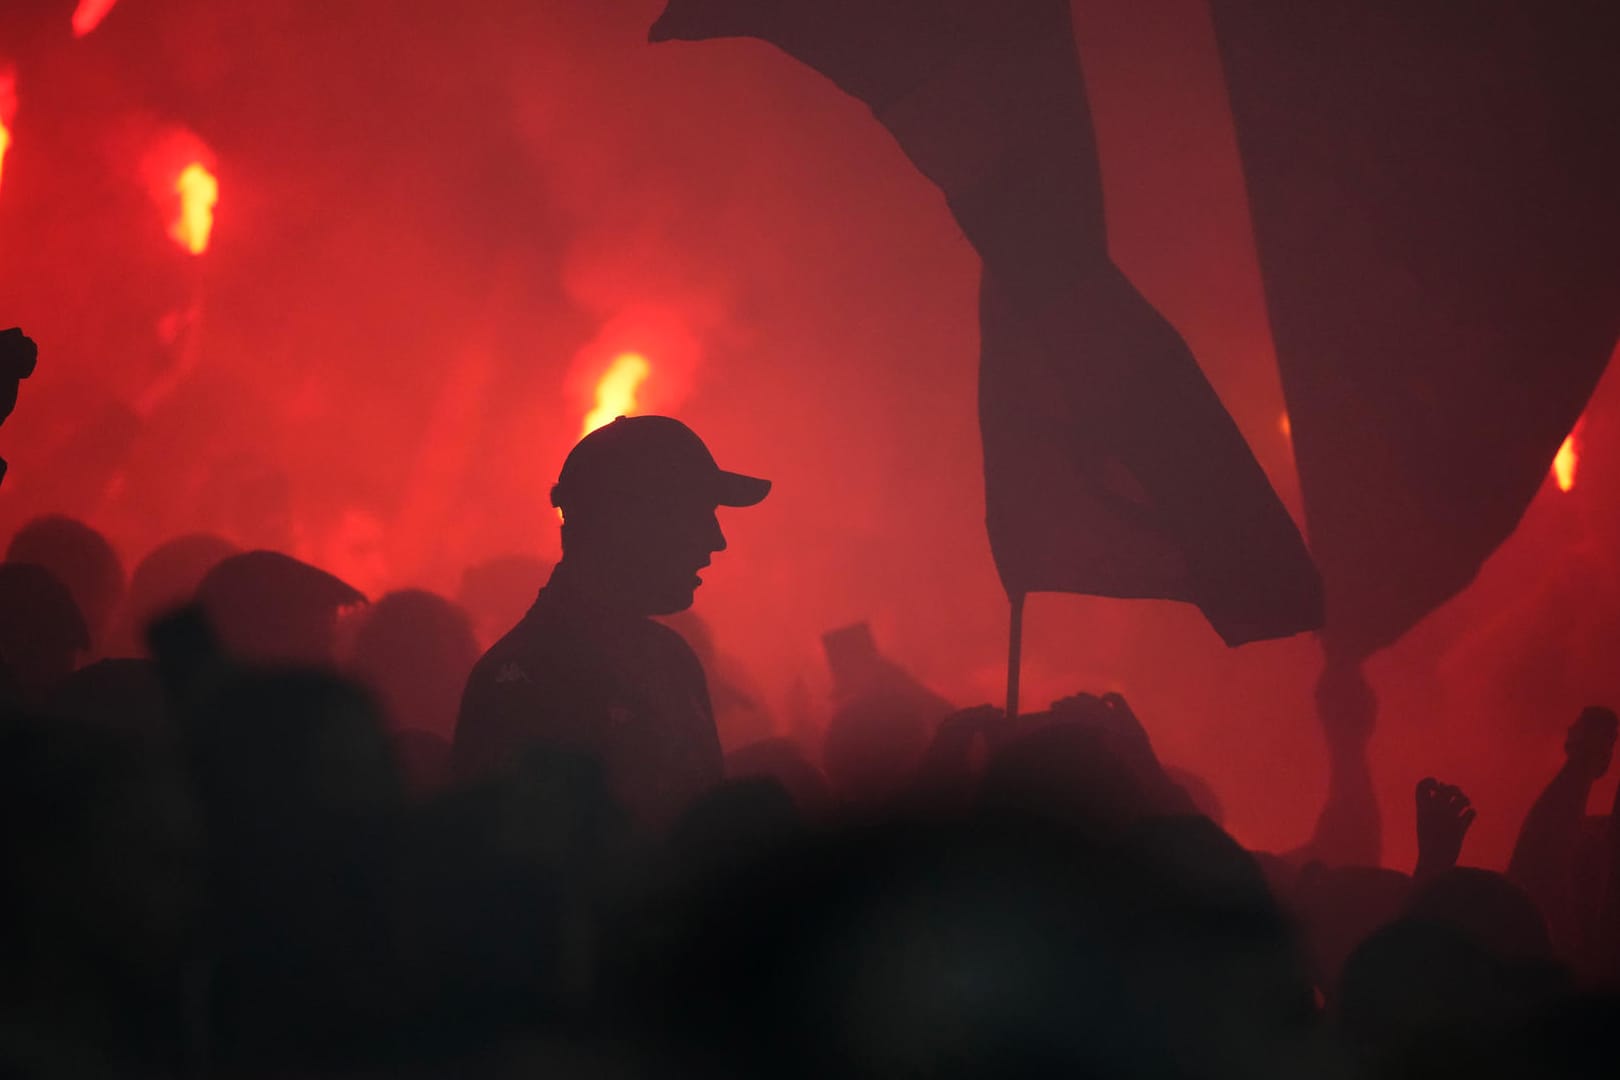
[525, 655]
[528, 682]
[667, 637]
[666, 643]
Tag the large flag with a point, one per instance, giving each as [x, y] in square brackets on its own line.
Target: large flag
[1111, 467]
[1435, 190]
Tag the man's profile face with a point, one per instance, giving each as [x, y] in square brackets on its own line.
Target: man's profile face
[656, 548]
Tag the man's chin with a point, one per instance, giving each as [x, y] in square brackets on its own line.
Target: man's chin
[674, 603]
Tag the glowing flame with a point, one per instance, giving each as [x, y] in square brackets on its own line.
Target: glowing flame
[8, 109]
[88, 15]
[177, 168]
[1567, 462]
[198, 191]
[1285, 426]
[616, 391]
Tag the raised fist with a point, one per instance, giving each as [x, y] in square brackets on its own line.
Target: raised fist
[17, 356]
[1443, 818]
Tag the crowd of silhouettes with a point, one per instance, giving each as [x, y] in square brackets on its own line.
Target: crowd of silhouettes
[247, 835]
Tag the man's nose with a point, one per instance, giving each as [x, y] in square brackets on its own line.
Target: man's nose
[717, 539]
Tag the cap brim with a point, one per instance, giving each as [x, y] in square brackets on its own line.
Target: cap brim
[735, 489]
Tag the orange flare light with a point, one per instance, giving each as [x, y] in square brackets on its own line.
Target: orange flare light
[88, 15]
[1566, 463]
[616, 391]
[198, 191]
[8, 109]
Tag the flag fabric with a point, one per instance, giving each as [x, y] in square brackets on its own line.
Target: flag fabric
[1435, 190]
[1111, 466]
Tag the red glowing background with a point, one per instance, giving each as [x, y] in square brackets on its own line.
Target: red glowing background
[348, 280]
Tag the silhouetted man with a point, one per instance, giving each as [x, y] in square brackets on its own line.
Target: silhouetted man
[586, 669]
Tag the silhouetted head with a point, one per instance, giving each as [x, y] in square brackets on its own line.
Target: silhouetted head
[1071, 773]
[169, 575]
[42, 633]
[1420, 998]
[1338, 907]
[80, 558]
[414, 650]
[638, 498]
[1489, 908]
[267, 606]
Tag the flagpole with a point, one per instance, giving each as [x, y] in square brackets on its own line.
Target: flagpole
[1015, 652]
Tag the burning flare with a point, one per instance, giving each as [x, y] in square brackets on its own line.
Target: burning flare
[198, 191]
[88, 15]
[1567, 462]
[8, 110]
[616, 391]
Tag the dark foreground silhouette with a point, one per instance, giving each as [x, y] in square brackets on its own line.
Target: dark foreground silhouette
[282, 843]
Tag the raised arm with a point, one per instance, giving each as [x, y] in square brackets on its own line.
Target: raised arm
[1544, 857]
[17, 356]
[1443, 818]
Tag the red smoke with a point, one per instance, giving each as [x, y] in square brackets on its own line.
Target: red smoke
[438, 227]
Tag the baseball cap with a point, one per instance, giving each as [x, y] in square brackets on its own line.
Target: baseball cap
[253, 584]
[641, 456]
